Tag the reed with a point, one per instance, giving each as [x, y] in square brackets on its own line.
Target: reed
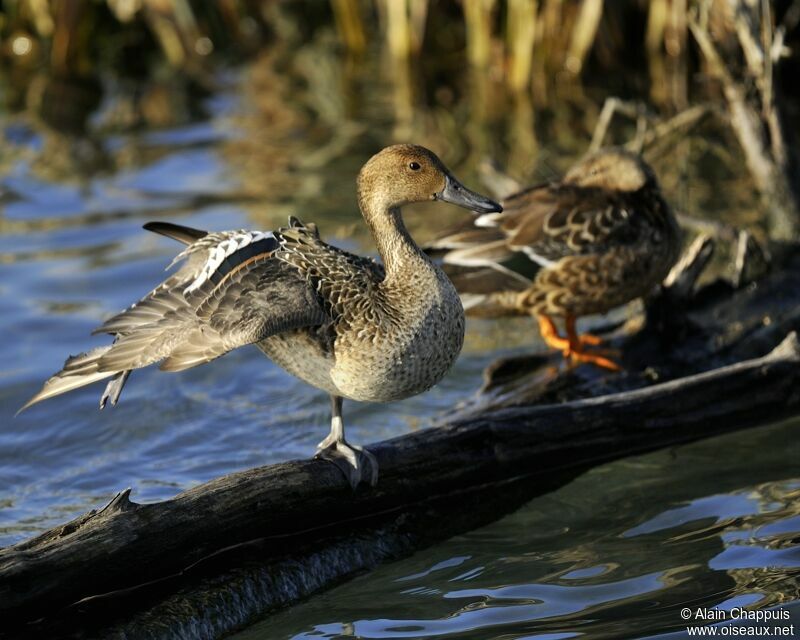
[657, 17]
[584, 32]
[478, 19]
[418, 16]
[521, 18]
[350, 25]
[398, 28]
[538, 42]
[666, 44]
[554, 20]
[675, 42]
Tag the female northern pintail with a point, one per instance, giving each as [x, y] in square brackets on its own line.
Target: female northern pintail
[599, 238]
[343, 323]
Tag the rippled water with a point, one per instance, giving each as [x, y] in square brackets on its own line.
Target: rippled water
[616, 553]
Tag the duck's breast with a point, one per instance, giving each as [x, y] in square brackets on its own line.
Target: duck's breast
[404, 345]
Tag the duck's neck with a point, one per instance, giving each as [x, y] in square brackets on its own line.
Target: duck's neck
[397, 249]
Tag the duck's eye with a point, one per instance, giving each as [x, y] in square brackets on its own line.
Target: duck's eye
[414, 166]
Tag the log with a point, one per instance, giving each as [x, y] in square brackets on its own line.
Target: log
[214, 557]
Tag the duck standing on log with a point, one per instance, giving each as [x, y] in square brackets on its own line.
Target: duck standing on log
[343, 323]
[598, 239]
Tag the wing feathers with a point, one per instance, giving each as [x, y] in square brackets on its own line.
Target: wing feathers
[195, 349]
[186, 235]
[236, 288]
[230, 252]
[78, 371]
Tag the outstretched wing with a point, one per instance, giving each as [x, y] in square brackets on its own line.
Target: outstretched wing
[243, 293]
[232, 289]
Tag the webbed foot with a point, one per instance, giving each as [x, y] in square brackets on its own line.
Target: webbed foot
[356, 463]
[590, 339]
[597, 358]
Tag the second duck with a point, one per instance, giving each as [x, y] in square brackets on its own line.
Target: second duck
[599, 238]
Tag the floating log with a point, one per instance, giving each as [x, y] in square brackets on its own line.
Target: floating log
[216, 556]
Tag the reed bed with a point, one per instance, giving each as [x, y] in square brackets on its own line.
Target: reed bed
[520, 41]
[473, 78]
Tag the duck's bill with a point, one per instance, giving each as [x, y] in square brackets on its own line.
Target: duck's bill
[456, 193]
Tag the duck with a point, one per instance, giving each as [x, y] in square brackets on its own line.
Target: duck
[597, 239]
[356, 328]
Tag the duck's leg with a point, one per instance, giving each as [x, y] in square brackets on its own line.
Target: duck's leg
[550, 335]
[585, 338]
[577, 343]
[355, 462]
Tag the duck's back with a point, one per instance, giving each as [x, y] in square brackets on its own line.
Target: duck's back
[598, 248]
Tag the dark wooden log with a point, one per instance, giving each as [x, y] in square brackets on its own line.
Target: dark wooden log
[299, 523]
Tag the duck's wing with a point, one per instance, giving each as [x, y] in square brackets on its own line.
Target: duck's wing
[479, 260]
[550, 222]
[340, 278]
[234, 288]
[464, 235]
[243, 292]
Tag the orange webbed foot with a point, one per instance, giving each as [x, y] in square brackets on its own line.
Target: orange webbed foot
[595, 359]
[551, 337]
[590, 339]
[573, 345]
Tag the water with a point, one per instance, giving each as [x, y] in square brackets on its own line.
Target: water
[616, 553]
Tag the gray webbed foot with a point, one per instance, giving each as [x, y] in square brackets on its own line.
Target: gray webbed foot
[356, 463]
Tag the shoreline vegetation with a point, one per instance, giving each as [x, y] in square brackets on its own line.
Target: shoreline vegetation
[699, 81]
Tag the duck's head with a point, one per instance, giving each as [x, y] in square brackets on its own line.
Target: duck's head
[406, 173]
[612, 169]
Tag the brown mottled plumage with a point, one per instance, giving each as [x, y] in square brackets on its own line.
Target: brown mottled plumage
[599, 238]
[343, 323]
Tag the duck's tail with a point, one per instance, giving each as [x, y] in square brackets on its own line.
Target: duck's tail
[79, 371]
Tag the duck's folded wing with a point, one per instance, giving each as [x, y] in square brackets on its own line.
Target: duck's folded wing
[478, 259]
[246, 298]
[550, 222]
